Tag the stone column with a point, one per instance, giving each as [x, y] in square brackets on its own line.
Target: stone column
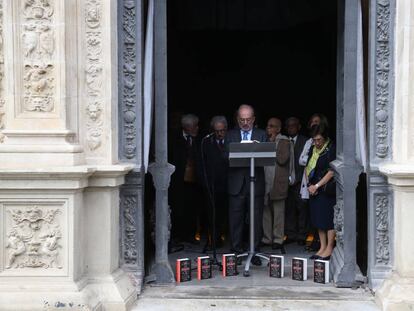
[60, 176]
[397, 292]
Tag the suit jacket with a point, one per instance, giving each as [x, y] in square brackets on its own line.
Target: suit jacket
[280, 187]
[178, 157]
[239, 176]
[216, 164]
[298, 148]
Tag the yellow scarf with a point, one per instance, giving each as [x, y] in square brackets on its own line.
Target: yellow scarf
[314, 158]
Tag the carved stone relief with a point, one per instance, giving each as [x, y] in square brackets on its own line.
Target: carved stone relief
[2, 101]
[38, 48]
[339, 221]
[93, 74]
[128, 91]
[33, 238]
[129, 210]
[382, 77]
[382, 229]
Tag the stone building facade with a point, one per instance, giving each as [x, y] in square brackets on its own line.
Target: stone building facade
[72, 164]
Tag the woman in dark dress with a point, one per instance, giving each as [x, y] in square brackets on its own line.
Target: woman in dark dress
[321, 186]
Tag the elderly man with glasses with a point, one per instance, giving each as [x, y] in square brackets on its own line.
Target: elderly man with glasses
[239, 185]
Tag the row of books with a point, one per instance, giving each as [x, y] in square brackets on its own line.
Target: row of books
[276, 268]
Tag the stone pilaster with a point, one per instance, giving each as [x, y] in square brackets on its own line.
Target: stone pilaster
[39, 93]
[397, 292]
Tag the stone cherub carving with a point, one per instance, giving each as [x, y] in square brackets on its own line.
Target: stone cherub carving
[16, 245]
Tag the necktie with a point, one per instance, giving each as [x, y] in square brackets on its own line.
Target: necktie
[245, 133]
[221, 144]
[188, 140]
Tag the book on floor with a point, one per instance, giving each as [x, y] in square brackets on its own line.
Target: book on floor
[183, 270]
[229, 264]
[299, 269]
[321, 271]
[204, 268]
[276, 266]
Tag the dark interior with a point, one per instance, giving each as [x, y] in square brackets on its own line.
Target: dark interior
[278, 56]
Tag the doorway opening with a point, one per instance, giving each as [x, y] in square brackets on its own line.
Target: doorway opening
[278, 57]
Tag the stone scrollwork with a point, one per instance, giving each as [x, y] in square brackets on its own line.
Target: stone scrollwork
[382, 230]
[38, 44]
[130, 228]
[94, 74]
[382, 77]
[128, 88]
[339, 221]
[33, 241]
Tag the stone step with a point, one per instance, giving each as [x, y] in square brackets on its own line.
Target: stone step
[286, 298]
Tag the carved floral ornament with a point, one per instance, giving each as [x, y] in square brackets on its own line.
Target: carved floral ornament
[382, 229]
[38, 48]
[94, 74]
[382, 77]
[33, 241]
[130, 227]
[128, 79]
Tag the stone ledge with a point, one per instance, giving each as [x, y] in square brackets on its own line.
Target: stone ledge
[67, 177]
[401, 175]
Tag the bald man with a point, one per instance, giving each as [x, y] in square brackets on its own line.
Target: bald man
[239, 184]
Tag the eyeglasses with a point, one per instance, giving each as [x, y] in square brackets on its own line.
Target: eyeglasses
[246, 120]
[220, 131]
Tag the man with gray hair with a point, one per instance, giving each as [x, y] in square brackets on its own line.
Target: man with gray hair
[216, 168]
[185, 190]
[239, 184]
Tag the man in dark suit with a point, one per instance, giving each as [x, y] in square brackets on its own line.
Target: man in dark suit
[216, 169]
[185, 190]
[296, 214]
[239, 184]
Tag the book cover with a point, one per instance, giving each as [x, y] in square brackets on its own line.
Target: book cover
[183, 270]
[276, 266]
[299, 269]
[204, 268]
[321, 271]
[229, 263]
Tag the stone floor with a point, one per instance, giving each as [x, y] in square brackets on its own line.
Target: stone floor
[257, 292]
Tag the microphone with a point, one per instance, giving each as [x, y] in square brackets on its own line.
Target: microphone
[208, 135]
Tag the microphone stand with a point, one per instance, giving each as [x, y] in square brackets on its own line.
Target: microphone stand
[211, 197]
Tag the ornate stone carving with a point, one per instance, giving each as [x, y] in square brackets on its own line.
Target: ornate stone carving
[130, 228]
[128, 88]
[38, 46]
[39, 88]
[93, 74]
[382, 229]
[382, 77]
[339, 221]
[33, 241]
[2, 101]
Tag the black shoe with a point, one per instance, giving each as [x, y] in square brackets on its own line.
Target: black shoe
[256, 261]
[313, 257]
[325, 258]
[276, 246]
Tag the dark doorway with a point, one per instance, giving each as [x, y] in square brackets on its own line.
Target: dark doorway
[278, 56]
